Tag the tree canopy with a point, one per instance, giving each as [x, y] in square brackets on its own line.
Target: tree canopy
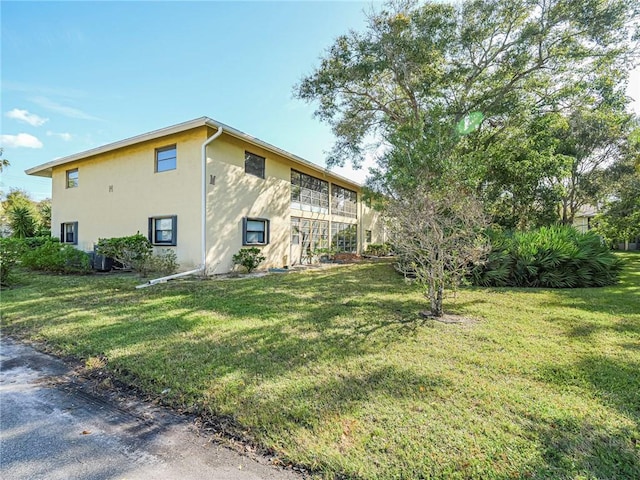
[420, 68]
[520, 103]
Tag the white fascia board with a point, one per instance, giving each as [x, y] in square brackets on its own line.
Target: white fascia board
[45, 170]
[283, 153]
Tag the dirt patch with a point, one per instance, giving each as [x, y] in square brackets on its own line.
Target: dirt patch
[448, 318]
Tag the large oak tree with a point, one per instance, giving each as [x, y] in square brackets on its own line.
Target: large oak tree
[498, 70]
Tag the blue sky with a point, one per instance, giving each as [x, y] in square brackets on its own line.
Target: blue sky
[76, 75]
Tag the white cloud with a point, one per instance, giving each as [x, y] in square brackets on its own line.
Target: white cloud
[71, 112]
[64, 136]
[24, 116]
[20, 140]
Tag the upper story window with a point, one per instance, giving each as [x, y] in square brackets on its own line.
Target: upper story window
[163, 230]
[255, 231]
[72, 178]
[309, 193]
[166, 158]
[254, 164]
[344, 202]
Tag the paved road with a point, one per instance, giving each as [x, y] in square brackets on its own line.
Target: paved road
[51, 431]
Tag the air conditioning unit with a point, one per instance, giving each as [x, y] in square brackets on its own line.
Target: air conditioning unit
[100, 262]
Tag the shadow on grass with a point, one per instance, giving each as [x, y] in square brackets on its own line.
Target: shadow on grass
[297, 350]
[585, 449]
[621, 299]
[589, 328]
[615, 382]
[305, 405]
[264, 326]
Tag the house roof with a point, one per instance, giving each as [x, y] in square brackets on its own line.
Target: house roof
[45, 169]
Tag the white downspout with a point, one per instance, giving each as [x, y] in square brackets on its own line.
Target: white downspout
[203, 223]
[204, 197]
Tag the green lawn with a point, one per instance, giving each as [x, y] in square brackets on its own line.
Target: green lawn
[334, 370]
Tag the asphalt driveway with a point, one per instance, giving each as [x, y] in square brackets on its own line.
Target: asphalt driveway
[51, 430]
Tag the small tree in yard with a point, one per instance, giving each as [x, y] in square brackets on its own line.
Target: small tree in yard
[438, 236]
[249, 258]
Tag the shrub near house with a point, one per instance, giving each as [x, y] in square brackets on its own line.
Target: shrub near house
[249, 258]
[50, 255]
[135, 252]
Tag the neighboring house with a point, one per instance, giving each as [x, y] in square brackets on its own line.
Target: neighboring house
[205, 190]
[583, 218]
[583, 222]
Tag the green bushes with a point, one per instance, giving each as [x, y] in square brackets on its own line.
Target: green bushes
[47, 254]
[10, 251]
[553, 257]
[131, 252]
[378, 249]
[136, 253]
[37, 241]
[163, 263]
[249, 258]
[52, 256]
[44, 254]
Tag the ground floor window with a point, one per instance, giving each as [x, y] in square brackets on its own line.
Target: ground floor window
[367, 236]
[255, 231]
[311, 235]
[163, 230]
[344, 237]
[69, 233]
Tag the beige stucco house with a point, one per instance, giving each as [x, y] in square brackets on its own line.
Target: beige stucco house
[583, 218]
[205, 190]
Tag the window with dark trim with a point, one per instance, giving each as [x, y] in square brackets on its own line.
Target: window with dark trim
[344, 202]
[166, 158]
[254, 164]
[255, 231]
[309, 193]
[311, 234]
[163, 230]
[295, 231]
[367, 236]
[69, 233]
[72, 178]
[344, 237]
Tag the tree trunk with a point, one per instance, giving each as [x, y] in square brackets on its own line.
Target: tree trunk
[435, 297]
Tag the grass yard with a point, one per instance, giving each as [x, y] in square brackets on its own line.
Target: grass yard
[334, 370]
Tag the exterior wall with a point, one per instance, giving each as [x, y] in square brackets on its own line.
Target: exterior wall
[118, 191]
[236, 194]
[372, 220]
[581, 224]
[582, 219]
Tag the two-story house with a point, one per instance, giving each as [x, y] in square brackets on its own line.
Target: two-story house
[206, 190]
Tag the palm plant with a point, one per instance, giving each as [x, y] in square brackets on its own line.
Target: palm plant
[22, 221]
[550, 257]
